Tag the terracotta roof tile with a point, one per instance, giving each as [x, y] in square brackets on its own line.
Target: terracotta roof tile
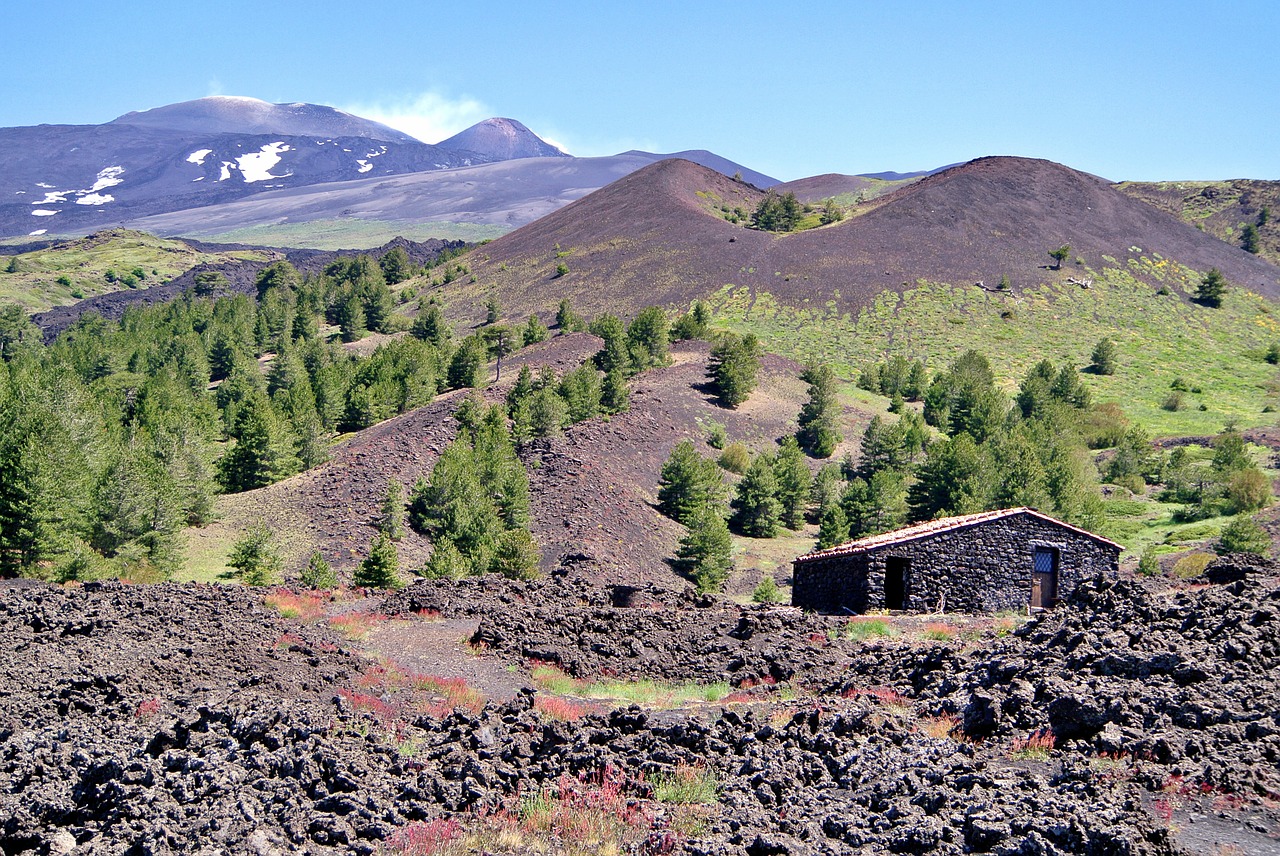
[934, 527]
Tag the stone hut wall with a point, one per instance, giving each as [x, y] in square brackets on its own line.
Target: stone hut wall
[985, 567]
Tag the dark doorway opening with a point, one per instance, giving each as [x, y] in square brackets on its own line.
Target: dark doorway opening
[1044, 578]
[895, 582]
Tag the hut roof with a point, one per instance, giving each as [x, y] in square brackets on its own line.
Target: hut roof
[935, 527]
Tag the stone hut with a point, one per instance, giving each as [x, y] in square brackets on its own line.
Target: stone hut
[1010, 559]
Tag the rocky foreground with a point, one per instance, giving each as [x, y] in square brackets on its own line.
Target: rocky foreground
[193, 719]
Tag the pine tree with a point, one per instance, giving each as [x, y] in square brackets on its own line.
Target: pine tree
[766, 591]
[615, 396]
[794, 483]
[391, 512]
[1104, 358]
[756, 506]
[647, 339]
[396, 265]
[264, 451]
[517, 555]
[547, 413]
[1243, 535]
[378, 305]
[534, 331]
[833, 527]
[478, 491]
[521, 390]
[431, 327]
[1249, 238]
[735, 362]
[466, 368]
[688, 482]
[381, 568]
[318, 574]
[613, 354]
[351, 318]
[777, 213]
[255, 556]
[1212, 286]
[568, 321]
[965, 398]
[706, 550]
[951, 480]
[580, 390]
[819, 418]
[1060, 255]
[446, 562]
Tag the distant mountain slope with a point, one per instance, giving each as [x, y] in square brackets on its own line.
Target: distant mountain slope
[657, 236]
[1219, 208]
[181, 159]
[845, 189]
[502, 139]
[228, 114]
[711, 160]
[1001, 215]
[507, 194]
[653, 236]
[69, 179]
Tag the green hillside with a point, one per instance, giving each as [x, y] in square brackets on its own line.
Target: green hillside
[1224, 209]
[1217, 355]
[351, 233]
[100, 263]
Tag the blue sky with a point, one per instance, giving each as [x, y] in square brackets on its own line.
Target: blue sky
[1126, 90]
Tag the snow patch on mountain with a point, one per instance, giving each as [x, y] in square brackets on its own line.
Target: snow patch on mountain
[198, 156]
[365, 166]
[108, 177]
[257, 166]
[53, 197]
[43, 212]
[226, 170]
[37, 232]
[95, 199]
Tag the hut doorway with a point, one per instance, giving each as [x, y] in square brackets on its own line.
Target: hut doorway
[896, 570]
[1044, 578]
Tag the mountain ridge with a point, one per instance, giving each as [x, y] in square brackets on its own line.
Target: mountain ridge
[502, 139]
[234, 114]
[660, 236]
[181, 159]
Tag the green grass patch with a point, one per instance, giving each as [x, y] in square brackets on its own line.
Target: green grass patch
[551, 678]
[656, 693]
[352, 234]
[687, 785]
[1126, 508]
[862, 629]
